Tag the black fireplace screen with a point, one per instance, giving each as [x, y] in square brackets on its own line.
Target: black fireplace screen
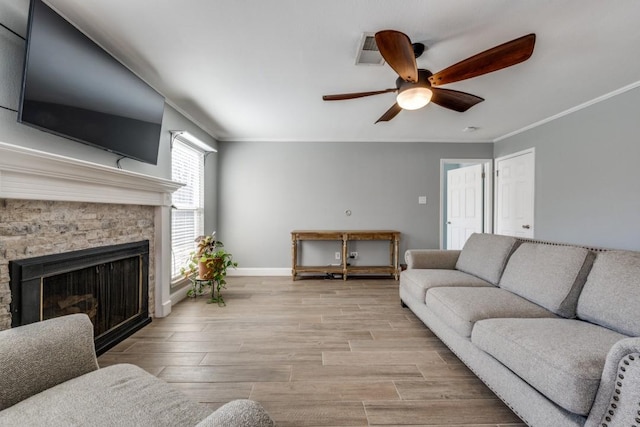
[108, 293]
[110, 284]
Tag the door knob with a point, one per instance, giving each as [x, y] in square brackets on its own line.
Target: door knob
[448, 222]
[527, 226]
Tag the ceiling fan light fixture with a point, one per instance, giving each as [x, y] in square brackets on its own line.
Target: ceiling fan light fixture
[414, 98]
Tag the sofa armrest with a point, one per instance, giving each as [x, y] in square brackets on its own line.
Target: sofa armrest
[239, 413]
[616, 402]
[41, 355]
[431, 258]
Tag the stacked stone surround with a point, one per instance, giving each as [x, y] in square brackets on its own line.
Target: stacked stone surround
[30, 228]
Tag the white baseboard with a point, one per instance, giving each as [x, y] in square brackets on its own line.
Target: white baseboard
[164, 309]
[179, 295]
[259, 272]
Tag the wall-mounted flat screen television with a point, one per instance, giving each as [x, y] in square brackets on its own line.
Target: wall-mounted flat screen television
[73, 88]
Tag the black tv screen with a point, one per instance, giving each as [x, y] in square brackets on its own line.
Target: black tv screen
[73, 88]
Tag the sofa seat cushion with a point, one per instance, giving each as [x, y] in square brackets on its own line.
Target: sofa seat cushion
[460, 308]
[549, 275]
[417, 281]
[116, 395]
[486, 255]
[562, 358]
[611, 296]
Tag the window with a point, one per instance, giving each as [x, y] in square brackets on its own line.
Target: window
[187, 215]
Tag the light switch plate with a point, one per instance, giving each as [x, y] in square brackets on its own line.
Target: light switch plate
[422, 200]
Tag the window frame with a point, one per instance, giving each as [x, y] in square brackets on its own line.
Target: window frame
[178, 142]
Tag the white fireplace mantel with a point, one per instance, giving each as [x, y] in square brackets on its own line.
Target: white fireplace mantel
[31, 174]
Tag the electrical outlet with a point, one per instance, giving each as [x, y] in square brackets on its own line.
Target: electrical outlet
[353, 255]
[337, 255]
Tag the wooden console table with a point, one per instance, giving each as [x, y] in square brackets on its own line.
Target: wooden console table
[344, 236]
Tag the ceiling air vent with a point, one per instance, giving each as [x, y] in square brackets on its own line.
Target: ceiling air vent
[368, 53]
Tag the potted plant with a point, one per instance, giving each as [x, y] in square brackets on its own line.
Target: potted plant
[207, 266]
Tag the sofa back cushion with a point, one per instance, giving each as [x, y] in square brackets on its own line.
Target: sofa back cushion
[611, 296]
[485, 255]
[548, 275]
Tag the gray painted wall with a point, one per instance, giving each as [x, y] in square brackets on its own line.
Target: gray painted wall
[268, 189]
[13, 14]
[587, 174]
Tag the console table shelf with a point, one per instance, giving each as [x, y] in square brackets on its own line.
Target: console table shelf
[345, 236]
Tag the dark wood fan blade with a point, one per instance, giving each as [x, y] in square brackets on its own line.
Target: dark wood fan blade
[497, 58]
[390, 114]
[343, 96]
[395, 47]
[454, 100]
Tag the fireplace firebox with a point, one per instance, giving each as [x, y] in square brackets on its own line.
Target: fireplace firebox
[110, 284]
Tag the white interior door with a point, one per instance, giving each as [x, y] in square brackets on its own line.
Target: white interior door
[464, 204]
[515, 177]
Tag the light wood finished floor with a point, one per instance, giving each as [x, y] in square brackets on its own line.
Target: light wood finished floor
[314, 353]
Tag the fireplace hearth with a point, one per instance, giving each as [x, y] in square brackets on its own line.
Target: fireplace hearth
[110, 284]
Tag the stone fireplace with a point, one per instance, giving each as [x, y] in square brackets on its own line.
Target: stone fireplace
[51, 204]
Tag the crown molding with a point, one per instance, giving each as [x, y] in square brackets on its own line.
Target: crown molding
[570, 110]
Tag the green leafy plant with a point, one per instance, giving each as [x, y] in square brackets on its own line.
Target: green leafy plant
[207, 267]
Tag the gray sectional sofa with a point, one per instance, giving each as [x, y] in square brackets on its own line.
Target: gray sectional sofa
[552, 329]
[49, 376]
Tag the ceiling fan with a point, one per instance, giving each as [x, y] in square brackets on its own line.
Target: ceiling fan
[417, 87]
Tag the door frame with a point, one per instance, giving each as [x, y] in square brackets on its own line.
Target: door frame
[487, 190]
[531, 151]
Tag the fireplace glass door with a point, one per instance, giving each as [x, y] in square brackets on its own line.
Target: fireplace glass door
[103, 292]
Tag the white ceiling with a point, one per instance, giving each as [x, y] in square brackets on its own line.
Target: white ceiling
[256, 70]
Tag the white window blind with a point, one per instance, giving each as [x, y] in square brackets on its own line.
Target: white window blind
[187, 167]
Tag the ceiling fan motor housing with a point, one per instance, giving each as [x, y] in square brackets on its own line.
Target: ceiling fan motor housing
[423, 80]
